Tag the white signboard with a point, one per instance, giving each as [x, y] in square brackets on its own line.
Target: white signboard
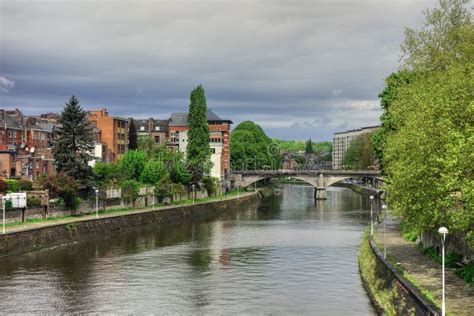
[18, 199]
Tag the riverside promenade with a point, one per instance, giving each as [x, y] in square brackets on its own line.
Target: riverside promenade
[110, 214]
[426, 272]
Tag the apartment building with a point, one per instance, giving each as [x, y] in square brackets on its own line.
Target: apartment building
[219, 139]
[154, 128]
[25, 146]
[341, 142]
[113, 132]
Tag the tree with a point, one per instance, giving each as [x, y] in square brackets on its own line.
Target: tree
[130, 191]
[64, 187]
[132, 135]
[153, 172]
[179, 174]
[105, 174]
[309, 147]
[252, 149]
[132, 164]
[198, 151]
[359, 155]
[74, 143]
[428, 155]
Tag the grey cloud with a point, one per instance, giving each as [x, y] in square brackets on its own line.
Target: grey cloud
[300, 68]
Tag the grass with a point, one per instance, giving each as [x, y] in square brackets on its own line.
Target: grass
[117, 210]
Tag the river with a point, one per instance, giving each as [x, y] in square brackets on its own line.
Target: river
[288, 255]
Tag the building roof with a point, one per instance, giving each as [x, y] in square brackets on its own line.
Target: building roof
[359, 129]
[9, 121]
[143, 125]
[48, 127]
[181, 118]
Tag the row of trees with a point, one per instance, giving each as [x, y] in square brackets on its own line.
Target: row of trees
[360, 154]
[426, 143]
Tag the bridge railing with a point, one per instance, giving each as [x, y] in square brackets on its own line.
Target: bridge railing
[288, 172]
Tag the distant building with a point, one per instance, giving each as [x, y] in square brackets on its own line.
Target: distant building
[113, 132]
[25, 146]
[154, 128]
[341, 142]
[219, 139]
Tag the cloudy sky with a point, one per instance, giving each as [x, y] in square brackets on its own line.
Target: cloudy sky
[299, 68]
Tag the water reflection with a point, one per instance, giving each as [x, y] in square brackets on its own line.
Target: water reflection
[289, 255]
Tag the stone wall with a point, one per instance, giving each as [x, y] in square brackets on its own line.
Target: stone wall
[389, 291]
[33, 239]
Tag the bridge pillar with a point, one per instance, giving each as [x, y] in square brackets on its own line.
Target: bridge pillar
[320, 193]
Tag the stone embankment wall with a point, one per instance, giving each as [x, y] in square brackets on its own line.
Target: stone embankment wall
[389, 291]
[56, 234]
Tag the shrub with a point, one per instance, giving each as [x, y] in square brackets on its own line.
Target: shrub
[450, 259]
[210, 184]
[130, 190]
[8, 204]
[12, 185]
[63, 186]
[467, 273]
[33, 202]
[153, 172]
[25, 185]
[105, 173]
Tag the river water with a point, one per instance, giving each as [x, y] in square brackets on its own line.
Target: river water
[288, 255]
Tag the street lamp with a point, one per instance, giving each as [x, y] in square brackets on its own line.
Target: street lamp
[443, 231]
[384, 208]
[371, 215]
[96, 203]
[193, 187]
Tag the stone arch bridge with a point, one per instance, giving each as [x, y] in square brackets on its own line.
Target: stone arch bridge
[319, 179]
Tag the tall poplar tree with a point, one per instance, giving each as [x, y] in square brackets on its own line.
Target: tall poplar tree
[309, 147]
[74, 143]
[132, 135]
[198, 152]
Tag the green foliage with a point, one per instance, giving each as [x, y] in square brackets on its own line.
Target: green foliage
[146, 144]
[393, 84]
[106, 174]
[25, 185]
[467, 273]
[153, 172]
[179, 174]
[252, 149]
[450, 259]
[130, 190]
[132, 164]
[429, 152]
[210, 184]
[132, 136]
[359, 155]
[8, 204]
[299, 145]
[74, 141]
[64, 187]
[33, 202]
[408, 233]
[309, 147]
[198, 150]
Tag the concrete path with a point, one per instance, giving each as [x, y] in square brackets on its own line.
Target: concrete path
[36, 225]
[459, 294]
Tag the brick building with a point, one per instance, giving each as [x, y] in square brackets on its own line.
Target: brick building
[154, 128]
[219, 139]
[113, 133]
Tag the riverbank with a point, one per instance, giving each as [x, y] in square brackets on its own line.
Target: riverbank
[38, 235]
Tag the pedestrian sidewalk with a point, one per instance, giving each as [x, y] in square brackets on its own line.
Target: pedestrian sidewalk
[426, 272]
[92, 216]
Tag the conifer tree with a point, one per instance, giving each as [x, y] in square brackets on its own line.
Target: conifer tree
[74, 143]
[198, 152]
[132, 136]
[309, 146]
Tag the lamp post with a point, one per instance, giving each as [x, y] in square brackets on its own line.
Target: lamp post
[371, 215]
[96, 203]
[3, 208]
[384, 208]
[443, 231]
[193, 187]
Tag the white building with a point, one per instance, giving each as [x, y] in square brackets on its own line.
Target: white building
[341, 142]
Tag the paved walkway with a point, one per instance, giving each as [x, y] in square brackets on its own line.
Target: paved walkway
[459, 295]
[36, 225]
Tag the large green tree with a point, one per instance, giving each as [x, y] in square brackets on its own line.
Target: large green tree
[132, 163]
[74, 143]
[429, 154]
[252, 149]
[198, 151]
[132, 135]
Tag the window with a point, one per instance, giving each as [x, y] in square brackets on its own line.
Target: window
[157, 128]
[142, 128]
[157, 139]
[213, 151]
